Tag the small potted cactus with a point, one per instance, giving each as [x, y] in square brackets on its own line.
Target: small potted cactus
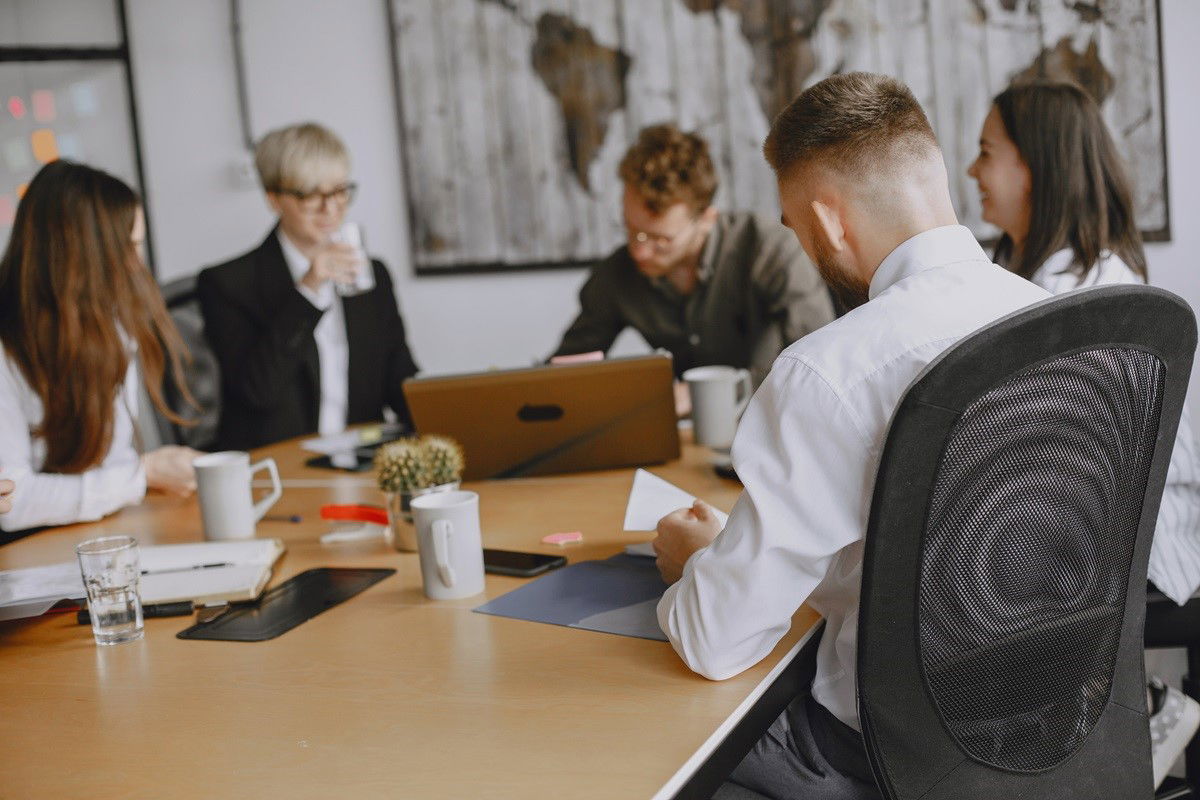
[407, 468]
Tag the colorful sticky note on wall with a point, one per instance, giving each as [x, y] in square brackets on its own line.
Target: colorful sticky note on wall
[83, 96]
[69, 146]
[45, 148]
[43, 105]
[16, 107]
[16, 155]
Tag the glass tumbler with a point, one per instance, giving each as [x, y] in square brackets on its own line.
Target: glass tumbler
[111, 571]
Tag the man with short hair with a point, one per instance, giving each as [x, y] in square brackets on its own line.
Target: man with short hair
[710, 287]
[863, 185]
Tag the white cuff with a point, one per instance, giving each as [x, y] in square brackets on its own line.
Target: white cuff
[321, 299]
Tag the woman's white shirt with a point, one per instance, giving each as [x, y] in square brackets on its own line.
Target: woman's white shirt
[1175, 555]
[43, 498]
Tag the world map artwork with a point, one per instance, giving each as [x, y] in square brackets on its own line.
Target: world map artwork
[515, 113]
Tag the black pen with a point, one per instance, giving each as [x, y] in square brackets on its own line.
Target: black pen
[180, 609]
[187, 569]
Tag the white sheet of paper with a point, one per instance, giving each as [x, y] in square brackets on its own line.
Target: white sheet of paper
[331, 444]
[651, 499]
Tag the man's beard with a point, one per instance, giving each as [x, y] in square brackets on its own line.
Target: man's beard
[851, 291]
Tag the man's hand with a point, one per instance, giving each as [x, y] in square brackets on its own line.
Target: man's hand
[683, 400]
[6, 490]
[333, 261]
[169, 469]
[680, 534]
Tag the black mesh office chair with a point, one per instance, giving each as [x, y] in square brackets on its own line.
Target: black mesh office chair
[1004, 577]
[202, 373]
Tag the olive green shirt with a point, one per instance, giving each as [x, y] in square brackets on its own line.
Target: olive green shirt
[757, 293]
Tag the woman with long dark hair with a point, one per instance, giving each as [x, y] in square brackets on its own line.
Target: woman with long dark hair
[1051, 179]
[81, 322]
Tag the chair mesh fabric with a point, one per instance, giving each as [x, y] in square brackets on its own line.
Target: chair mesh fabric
[1026, 555]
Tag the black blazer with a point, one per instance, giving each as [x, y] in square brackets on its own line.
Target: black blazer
[261, 329]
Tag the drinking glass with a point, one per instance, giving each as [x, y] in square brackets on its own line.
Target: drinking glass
[364, 281]
[110, 569]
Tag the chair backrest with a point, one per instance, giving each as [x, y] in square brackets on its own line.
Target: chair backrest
[202, 374]
[1004, 575]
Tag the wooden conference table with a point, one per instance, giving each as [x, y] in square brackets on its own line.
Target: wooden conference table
[386, 695]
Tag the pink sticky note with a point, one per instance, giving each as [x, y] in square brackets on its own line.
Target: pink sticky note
[579, 358]
[563, 538]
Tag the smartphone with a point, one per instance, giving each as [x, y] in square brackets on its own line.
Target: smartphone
[523, 565]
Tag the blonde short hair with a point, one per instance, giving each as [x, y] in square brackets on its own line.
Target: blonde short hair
[300, 157]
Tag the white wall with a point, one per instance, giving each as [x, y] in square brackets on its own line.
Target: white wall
[307, 59]
[330, 62]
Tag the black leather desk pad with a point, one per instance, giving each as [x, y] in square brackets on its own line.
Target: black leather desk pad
[297, 599]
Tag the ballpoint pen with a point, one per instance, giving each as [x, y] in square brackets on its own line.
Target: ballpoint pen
[180, 609]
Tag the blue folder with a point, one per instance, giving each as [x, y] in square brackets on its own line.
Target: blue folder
[617, 595]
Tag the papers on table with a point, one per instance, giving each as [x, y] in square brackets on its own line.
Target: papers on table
[204, 572]
[332, 444]
[651, 499]
[347, 441]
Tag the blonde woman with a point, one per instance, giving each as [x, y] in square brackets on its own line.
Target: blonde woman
[296, 357]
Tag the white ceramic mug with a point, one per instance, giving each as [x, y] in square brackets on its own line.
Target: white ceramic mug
[719, 396]
[226, 505]
[449, 544]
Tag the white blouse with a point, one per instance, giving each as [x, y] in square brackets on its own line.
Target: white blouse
[44, 498]
[1175, 555]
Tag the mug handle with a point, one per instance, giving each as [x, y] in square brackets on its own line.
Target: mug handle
[442, 529]
[264, 505]
[745, 390]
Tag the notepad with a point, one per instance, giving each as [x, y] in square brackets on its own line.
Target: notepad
[203, 572]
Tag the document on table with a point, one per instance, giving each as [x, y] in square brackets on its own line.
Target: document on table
[347, 441]
[651, 499]
[204, 571]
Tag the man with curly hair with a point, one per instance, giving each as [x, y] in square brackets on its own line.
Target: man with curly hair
[710, 287]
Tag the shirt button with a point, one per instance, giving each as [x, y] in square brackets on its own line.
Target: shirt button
[694, 338]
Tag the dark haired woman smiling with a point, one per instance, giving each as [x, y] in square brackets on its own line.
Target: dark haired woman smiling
[81, 322]
[1050, 177]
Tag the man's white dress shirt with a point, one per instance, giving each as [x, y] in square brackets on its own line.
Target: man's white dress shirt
[43, 498]
[807, 450]
[1175, 555]
[333, 348]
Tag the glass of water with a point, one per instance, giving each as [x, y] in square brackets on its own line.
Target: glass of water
[111, 570]
[364, 280]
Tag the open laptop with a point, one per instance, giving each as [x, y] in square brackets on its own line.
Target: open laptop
[560, 418]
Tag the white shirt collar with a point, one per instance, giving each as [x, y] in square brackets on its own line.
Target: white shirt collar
[936, 247]
[297, 263]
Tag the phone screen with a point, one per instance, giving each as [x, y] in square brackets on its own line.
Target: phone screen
[509, 562]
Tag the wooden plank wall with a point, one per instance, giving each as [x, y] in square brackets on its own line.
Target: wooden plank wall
[490, 179]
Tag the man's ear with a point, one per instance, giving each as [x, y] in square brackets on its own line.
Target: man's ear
[273, 202]
[708, 218]
[829, 226]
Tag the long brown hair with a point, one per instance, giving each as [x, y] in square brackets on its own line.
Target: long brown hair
[71, 283]
[1080, 196]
